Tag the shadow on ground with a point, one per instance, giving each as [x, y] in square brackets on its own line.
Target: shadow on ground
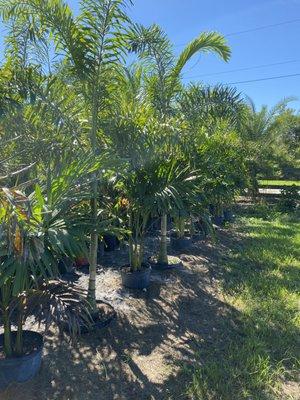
[159, 334]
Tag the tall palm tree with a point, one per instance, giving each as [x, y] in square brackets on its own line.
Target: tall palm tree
[90, 48]
[163, 83]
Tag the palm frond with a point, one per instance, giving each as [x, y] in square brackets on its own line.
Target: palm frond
[206, 42]
[57, 302]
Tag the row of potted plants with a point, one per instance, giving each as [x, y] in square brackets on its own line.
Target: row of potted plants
[51, 224]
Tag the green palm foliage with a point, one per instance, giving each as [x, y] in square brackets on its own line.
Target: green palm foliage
[163, 82]
[157, 186]
[155, 49]
[91, 47]
[35, 234]
[205, 107]
[260, 135]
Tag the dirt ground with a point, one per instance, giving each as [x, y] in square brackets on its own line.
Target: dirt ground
[141, 355]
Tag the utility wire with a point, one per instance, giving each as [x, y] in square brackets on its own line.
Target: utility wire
[263, 79]
[243, 69]
[259, 28]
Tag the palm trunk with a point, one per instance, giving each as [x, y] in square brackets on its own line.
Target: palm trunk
[163, 254]
[94, 212]
[93, 250]
[19, 337]
[7, 345]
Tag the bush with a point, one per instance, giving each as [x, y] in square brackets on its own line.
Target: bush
[289, 200]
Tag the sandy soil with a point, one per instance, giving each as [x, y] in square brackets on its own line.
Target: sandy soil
[141, 354]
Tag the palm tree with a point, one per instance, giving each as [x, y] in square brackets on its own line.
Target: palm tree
[259, 133]
[36, 233]
[92, 46]
[163, 83]
[208, 106]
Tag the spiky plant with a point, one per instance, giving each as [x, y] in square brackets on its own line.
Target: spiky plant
[34, 235]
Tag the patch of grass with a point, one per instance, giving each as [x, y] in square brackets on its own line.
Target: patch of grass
[278, 183]
[261, 279]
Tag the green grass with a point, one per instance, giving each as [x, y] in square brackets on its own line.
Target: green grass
[261, 281]
[278, 183]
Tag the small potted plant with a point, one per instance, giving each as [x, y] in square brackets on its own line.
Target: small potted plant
[216, 211]
[135, 275]
[26, 265]
[180, 239]
[179, 183]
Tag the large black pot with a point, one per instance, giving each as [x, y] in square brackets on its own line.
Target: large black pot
[181, 243]
[21, 368]
[111, 242]
[218, 220]
[228, 215]
[136, 279]
[100, 323]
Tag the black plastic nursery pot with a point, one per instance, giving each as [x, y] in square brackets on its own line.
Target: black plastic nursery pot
[228, 215]
[218, 219]
[181, 243]
[21, 368]
[139, 279]
[111, 242]
[99, 321]
[198, 236]
[100, 250]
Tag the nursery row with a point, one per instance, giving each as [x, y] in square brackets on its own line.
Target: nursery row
[92, 148]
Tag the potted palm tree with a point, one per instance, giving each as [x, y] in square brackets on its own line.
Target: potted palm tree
[153, 46]
[181, 238]
[136, 275]
[155, 186]
[135, 202]
[27, 264]
[182, 184]
[91, 47]
[67, 206]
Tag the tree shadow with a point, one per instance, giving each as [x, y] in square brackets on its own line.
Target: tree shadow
[162, 337]
[139, 355]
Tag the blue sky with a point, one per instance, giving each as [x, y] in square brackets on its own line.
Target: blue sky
[183, 20]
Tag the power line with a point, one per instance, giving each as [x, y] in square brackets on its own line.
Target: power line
[263, 79]
[242, 69]
[259, 28]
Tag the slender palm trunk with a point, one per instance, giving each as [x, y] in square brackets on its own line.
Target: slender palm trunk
[94, 213]
[163, 254]
[7, 335]
[7, 345]
[19, 337]
[93, 251]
